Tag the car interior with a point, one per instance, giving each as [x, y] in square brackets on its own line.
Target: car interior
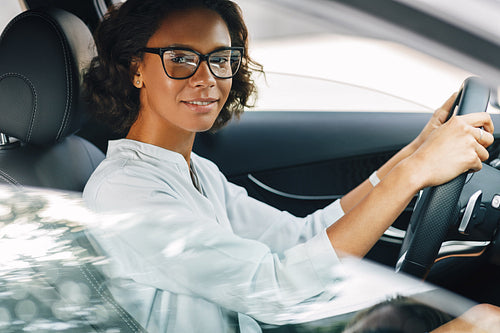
[41, 110]
[41, 103]
[297, 161]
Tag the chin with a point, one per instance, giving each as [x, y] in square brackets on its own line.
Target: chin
[202, 128]
[205, 129]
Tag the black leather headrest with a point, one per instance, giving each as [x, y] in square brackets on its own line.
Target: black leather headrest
[42, 55]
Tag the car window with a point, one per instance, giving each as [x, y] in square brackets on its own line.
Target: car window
[49, 279]
[484, 21]
[10, 8]
[290, 37]
[56, 274]
[279, 91]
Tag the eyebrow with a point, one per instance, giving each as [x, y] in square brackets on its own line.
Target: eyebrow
[191, 48]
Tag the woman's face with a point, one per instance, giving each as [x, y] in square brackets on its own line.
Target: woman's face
[190, 105]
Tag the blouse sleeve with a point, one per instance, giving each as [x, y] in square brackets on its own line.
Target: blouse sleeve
[280, 230]
[169, 246]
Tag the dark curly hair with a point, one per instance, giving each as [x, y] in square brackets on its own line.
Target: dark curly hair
[398, 315]
[127, 28]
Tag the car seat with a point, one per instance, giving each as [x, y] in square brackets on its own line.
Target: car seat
[42, 56]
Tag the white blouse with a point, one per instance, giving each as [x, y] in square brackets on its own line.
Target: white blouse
[192, 260]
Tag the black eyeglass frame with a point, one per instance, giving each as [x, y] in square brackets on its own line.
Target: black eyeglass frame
[203, 57]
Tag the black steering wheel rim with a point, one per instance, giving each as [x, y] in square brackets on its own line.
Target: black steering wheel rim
[436, 209]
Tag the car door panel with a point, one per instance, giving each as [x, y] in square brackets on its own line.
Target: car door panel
[262, 141]
[308, 153]
[292, 159]
[302, 161]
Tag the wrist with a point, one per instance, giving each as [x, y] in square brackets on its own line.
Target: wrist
[413, 146]
[404, 153]
[409, 170]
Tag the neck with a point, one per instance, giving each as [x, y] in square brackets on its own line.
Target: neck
[172, 139]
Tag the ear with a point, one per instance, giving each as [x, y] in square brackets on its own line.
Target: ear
[135, 69]
[137, 80]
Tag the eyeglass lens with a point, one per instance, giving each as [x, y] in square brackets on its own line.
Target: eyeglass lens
[183, 63]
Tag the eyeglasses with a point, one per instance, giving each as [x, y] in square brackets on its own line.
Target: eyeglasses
[181, 63]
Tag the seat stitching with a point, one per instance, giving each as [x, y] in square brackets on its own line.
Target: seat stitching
[5, 31]
[9, 179]
[35, 106]
[119, 311]
[68, 73]
[12, 22]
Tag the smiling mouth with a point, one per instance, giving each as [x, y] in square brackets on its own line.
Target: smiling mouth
[200, 103]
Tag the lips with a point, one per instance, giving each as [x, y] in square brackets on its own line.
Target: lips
[201, 104]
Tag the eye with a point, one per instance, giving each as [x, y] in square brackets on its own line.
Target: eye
[219, 60]
[178, 59]
[181, 58]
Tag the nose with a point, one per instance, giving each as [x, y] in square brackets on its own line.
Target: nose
[203, 77]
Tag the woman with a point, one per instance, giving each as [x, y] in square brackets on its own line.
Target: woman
[166, 70]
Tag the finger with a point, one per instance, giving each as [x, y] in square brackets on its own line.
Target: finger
[483, 138]
[482, 153]
[476, 163]
[479, 119]
[450, 102]
[442, 113]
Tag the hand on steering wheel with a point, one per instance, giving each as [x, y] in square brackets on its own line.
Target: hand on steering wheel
[436, 208]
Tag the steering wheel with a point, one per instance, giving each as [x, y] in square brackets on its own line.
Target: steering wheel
[436, 209]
